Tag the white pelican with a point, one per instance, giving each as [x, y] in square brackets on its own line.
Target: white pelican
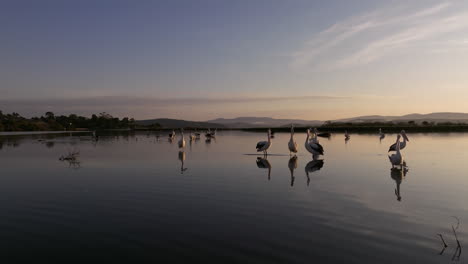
[172, 135]
[213, 134]
[292, 145]
[381, 134]
[292, 165]
[197, 135]
[264, 145]
[346, 135]
[182, 139]
[192, 137]
[402, 144]
[312, 145]
[210, 134]
[397, 159]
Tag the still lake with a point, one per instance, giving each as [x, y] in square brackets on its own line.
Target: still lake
[129, 197]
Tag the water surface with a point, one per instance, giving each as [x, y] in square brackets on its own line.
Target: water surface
[130, 197]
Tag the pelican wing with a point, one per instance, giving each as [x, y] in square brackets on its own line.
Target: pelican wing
[261, 144]
[393, 147]
[317, 147]
[292, 146]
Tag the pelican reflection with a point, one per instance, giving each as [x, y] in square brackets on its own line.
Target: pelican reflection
[263, 163]
[292, 165]
[398, 175]
[313, 165]
[182, 159]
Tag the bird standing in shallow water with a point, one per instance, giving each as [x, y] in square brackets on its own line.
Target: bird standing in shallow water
[312, 145]
[182, 139]
[264, 145]
[292, 145]
[381, 134]
[402, 144]
[397, 159]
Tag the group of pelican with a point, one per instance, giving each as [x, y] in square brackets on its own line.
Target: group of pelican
[311, 144]
[193, 136]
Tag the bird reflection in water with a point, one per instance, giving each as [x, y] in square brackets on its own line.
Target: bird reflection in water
[397, 175]
[292, 165]
[182, 159]
[314, 165]
[263, 163]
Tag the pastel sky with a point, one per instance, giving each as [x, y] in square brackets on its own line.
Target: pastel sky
[205, 59]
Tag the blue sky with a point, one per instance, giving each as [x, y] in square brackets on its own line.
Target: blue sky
[326, 59]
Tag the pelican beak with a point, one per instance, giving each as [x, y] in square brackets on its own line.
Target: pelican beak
[404, 135]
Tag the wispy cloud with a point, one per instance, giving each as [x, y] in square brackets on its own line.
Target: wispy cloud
[369, 37]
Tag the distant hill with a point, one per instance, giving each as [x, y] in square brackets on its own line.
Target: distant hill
[258, 122]
[176, 123]
[432, 117]
[253, 122]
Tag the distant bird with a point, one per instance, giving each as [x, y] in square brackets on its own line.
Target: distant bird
[213, 134]
[264, 145]
[192, 137]
[402, 144]
[172, 135]
[292, 145]
[208, 133]
[312, 145]
[381, 134]
[182, 139]
[292, 165]
[346, 135]
[396, 159]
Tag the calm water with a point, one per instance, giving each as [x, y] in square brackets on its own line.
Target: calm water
[130, 198]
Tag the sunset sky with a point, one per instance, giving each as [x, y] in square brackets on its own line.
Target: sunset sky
[205, 59]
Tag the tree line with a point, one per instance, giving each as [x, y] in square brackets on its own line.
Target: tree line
[50, 122]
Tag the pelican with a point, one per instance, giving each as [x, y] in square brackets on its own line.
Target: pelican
[397, 159]
[292, 165]
[346, 135]
[172, 135]
[264, 145]
[197, 135]
[209, 134]
[292, 145]
[312, 145]
[402, 144]
[263, 163]
[213, 134]
[381, 134]
[182, 139]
